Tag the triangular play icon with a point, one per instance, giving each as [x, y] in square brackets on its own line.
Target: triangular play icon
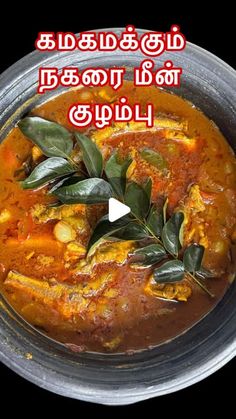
[117, 209]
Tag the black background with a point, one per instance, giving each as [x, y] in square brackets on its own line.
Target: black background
[214, 31]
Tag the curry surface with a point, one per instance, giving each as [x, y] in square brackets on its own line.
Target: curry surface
[107, 307]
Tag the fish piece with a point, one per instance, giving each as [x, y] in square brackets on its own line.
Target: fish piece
[67, 299]
[42, 214]
[113, 251]
[194, 205]
[107, 252]
[171, 291]
[160, 123]
[194, 202]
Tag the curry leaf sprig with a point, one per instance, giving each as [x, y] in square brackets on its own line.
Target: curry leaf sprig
[163, 246]
[95, 181]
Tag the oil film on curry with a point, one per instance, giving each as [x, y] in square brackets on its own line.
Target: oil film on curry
[145, 278]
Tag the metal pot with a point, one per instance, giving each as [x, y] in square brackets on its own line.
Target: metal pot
[123, 379]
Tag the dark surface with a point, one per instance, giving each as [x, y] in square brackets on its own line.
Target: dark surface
[214, 32]
[218, 388]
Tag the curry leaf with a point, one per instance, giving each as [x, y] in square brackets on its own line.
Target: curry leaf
[193, 257]
[148, 255]
[154, 158]
[171, 271]
[92, 156]
[53, 139]
[116, 173]
[137, 199]
[88, 191]
[66, 181]
[170, 233]
[133, 231]
[148, 188]
[105, 228]
[155, 220]
[48, 170]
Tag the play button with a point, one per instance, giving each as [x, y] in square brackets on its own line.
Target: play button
[117, 209]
